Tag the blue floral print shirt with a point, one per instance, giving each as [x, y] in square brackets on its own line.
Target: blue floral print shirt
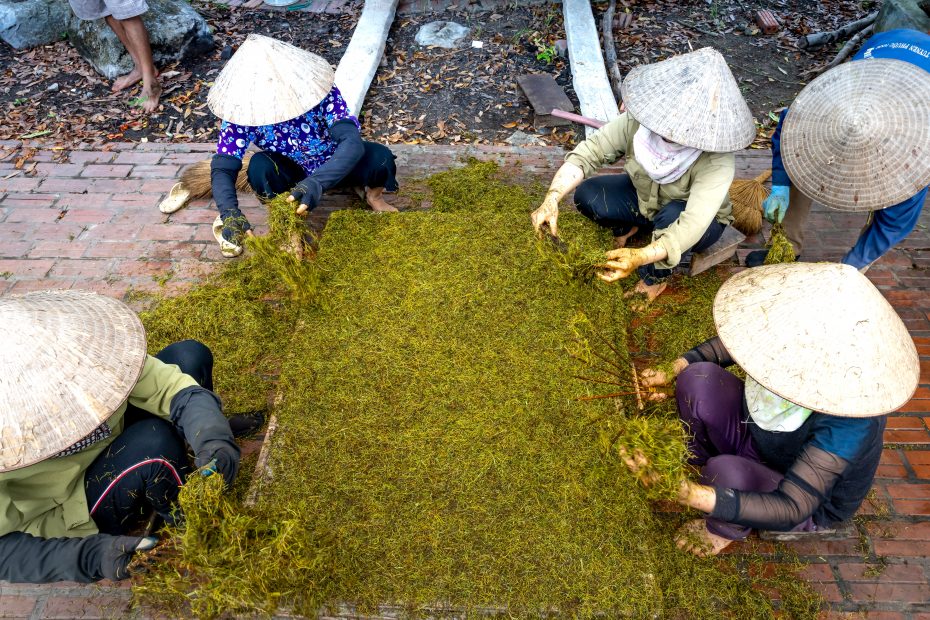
[304, 139]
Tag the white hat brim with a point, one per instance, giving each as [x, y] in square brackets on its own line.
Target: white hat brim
[819, 335]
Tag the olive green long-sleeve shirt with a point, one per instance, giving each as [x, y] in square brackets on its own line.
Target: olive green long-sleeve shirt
[704, 186]
[47, 499]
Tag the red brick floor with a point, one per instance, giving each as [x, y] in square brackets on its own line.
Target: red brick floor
[89, 220]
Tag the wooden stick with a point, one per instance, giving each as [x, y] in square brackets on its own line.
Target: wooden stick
[819, 39]
[610, 50]
[577, 118]
[639, 397]
[260, 473]
[848, 49]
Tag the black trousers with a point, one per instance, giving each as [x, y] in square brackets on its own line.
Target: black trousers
[145, 466]
[611, 201]
[271, 173]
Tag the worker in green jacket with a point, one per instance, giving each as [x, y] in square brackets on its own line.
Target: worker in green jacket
[93, 433]
[684, 118]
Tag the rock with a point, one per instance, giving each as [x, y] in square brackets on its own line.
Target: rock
[520, 138]
[441, 34]
[28, 23]
[176, 32]
[53, 88]
[561, 48]
[913, 14]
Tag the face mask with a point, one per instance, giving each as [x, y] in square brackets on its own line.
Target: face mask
[771, 412]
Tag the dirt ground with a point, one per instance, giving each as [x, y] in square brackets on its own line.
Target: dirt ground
[468, 94]
[421, 94]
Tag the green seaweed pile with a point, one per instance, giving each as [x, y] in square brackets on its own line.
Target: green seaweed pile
[780, 248]
[432, 456]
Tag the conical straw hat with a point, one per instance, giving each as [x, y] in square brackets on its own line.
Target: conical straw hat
[819, 335]
[858, 137]
[68, 360]
[267, 81]
[691, 99]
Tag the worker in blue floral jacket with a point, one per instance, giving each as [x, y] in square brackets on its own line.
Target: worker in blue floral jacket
[283, 99]
[856, 139]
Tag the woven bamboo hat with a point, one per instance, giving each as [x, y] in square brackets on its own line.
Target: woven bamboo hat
[268, 81]
[857, 138]
[819, 335]
[691, 99]
[68, 360]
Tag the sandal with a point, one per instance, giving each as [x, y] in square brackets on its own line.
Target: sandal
[176, 199]
[227, 248]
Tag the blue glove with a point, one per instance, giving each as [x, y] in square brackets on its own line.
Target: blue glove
[776, 205]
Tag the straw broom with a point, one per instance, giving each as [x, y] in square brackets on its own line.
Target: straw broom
[196, 178]
[747, 197]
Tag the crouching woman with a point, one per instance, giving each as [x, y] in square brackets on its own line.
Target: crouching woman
[684, 118]
[796, 446]
[95, 435]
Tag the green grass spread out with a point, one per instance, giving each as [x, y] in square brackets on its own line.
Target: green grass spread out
[431, 454]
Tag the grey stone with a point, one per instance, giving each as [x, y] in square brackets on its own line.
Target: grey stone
[53, 88]
[520, 138]
[561, 48]
[442, 34]
[28, 23]
[913, 14]
[176, 32]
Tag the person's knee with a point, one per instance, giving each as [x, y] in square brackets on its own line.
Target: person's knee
[696, 379]
[730, 471]
[668, 214]
[259, 173]
[191, 356]
[586, 199]
[382, 164]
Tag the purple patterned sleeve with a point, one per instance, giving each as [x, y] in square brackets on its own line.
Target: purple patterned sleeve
[234, 139]
[334, 109]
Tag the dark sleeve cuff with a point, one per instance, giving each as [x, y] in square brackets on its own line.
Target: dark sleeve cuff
[726, 507]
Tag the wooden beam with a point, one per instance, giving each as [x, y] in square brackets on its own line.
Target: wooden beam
[721, 250]
[360, 61]
[589, 76]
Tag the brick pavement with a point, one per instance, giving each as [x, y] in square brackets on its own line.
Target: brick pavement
[89, 219]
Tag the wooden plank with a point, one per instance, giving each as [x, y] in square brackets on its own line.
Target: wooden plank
[588, 73]
[545, 95]
[721, 250]
[360, 61]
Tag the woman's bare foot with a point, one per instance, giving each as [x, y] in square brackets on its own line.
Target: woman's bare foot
[150, 95]
[125, 81]
[649, 291]
[375, 199]
[620, 240]
[694, 538]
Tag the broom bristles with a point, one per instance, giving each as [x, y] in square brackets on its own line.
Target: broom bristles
[196, 178]
[747, 197]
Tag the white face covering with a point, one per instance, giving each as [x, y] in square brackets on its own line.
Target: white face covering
[663, 161]
[772, 412]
